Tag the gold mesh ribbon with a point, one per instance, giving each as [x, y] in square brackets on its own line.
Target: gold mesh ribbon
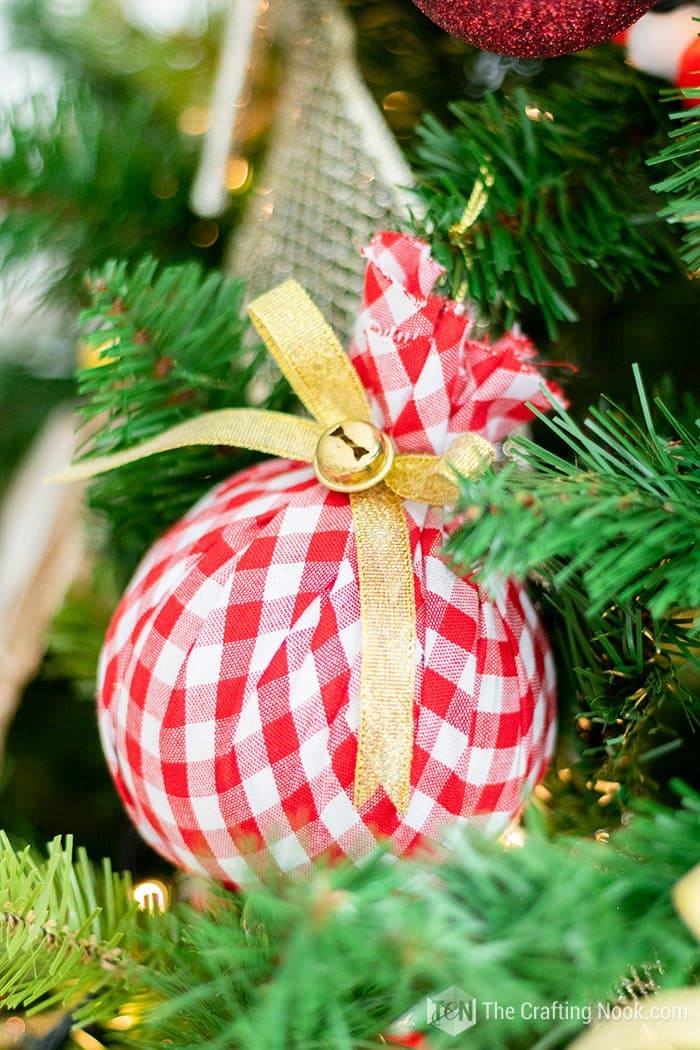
[310, 356]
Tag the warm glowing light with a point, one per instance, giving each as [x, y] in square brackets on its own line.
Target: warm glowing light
[14, 1028]
[122, 1022]
[535, 113]
[194, 120]
[237, 174]
[164, 186]
[94, 356]
[513, 837]
[400, 102]
[542, 793]
[607, 789]
[602, 835]
[85, 1040]
[403, 110]
[151, 895]
[205, 233]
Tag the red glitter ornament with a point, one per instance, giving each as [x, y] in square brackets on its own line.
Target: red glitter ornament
[534, 28]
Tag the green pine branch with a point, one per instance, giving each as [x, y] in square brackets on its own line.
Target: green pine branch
[63, 929]
[173, 345]
[682, 186]
[566, 190]
[610, 538]
[337, 957]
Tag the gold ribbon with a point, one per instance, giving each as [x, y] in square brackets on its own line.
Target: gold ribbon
[323, 377]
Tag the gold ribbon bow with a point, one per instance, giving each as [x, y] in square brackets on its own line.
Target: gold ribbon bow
[349, 455]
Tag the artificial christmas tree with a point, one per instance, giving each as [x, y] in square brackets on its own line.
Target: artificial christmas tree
[535, 197]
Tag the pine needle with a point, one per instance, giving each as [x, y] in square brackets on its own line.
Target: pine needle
[682, 185]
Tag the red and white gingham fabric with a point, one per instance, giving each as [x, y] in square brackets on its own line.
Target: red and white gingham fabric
[229, 681]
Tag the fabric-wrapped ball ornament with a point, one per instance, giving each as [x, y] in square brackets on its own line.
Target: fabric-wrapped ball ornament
[294, 671]
[534, 28]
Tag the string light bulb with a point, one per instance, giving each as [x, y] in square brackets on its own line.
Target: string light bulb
[513, 837]
[151, 895]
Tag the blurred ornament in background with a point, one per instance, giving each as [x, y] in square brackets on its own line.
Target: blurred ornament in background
[333, 173]
[41, 553]
[665, 43]
[533, 28]
[210, 190]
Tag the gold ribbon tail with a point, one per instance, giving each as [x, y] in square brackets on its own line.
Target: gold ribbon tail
[387, 602]
[275, 433]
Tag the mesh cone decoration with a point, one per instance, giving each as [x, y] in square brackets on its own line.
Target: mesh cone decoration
[294, 671]
[333, 173]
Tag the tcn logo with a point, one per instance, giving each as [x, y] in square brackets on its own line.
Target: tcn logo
[452, 1011]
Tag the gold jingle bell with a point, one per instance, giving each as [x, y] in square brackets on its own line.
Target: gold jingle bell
[352, 456]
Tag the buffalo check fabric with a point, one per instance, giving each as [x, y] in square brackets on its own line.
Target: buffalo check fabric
[230, 676]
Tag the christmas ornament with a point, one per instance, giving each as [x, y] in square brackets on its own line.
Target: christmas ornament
[41, 553]
[294, 670]
[666, 44]
[533, 28]
[333, 172]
